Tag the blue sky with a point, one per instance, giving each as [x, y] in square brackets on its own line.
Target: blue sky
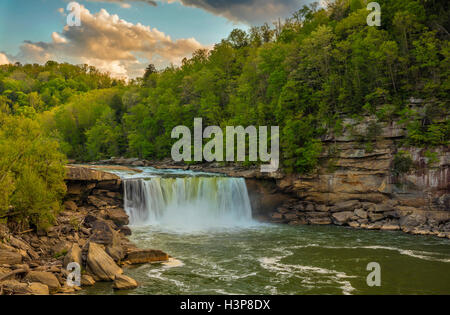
[157, 31]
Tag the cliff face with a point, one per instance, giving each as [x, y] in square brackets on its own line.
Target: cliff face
[358, 185]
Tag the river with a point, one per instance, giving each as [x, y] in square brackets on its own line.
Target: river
[204, 222]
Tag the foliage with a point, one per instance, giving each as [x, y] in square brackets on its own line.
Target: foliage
[402, 164]
[31, 172]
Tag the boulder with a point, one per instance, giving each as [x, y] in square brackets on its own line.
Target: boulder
[61, 248]
[87, 280]
[70, 205]
[320, 220]
[412, 220]
[373, 216]
[125, 230]
[97, 202]
[144, 256]
[123, 282]
[118, 216]
[383, 207]
[361, 213]
[10, 287]
[390, 227]
[9, 257]
[349, 205]
[100, 264]
[46, 278]
[102, 233]
[341, 218]
[73, 255]
[116, 252]
[37, 288]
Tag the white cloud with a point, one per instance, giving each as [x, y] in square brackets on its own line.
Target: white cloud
[111, 44]
[3, 59]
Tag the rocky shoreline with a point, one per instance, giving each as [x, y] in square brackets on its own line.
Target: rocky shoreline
[91, 231]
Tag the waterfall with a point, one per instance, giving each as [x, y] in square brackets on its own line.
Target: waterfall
[188, 203]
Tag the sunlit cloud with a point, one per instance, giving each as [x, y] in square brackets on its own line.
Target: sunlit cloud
[111, 44]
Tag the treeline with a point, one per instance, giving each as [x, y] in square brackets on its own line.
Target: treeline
[304, 75]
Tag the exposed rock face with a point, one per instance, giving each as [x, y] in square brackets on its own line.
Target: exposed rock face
[82, 173]
[362, 181]
[123, 282]
[100, 264]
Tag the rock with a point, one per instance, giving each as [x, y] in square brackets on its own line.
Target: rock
[123, 282]
[341, 218]
[9, 257]
[87, 280]
[319, 220]
[125, 230]
[277, 216]
[345, 206]
[17, 243]
[14, 287]
[70, 205]
[116, 252]
[37, 288]
[73, 255]
[118, 216]
[101, 264]
[138, 163]
[322, 208]
[383, 207]
[61, 248]
[46, 278]
[97, 202]
[102, 233]
[81, 173]
[376, 216]
[390, 227]
[412, 220]
[374, 226]
[354, 224]
[361, 213]
[144, 256]
[290, 216]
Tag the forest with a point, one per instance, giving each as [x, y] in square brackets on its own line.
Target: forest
[304, 74]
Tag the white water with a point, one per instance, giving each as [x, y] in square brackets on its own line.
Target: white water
[188, 204]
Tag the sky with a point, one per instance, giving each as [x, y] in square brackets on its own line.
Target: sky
[124, 36]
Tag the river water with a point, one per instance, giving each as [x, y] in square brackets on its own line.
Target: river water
[203, 221]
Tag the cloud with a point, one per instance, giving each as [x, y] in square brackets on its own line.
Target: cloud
[111, 44]
[3, 59]
[126, 3]
[247, 11]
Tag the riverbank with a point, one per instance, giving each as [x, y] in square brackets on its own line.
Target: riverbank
[91, 231]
